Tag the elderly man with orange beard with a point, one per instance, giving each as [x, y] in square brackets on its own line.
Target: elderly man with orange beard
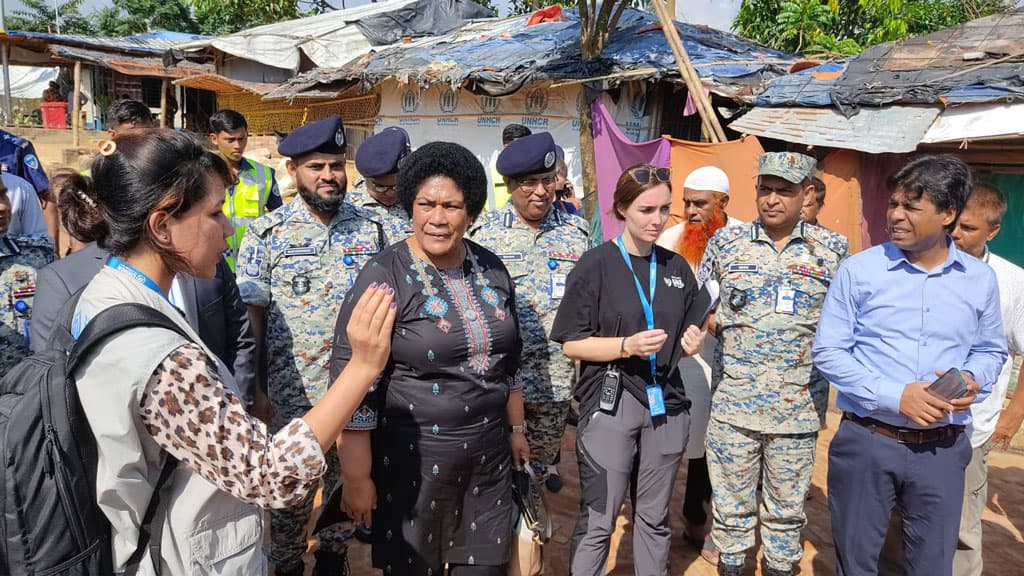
[705, 197]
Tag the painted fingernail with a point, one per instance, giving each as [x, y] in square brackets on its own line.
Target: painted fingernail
[384, 286]
[391, 291]
[394, 304]
[372, 286]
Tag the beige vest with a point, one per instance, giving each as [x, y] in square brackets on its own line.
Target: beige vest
[206, 531]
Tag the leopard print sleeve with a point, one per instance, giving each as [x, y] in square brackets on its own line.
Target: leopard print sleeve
[190, 415]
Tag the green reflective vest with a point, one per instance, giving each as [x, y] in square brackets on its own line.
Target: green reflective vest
[245, 202]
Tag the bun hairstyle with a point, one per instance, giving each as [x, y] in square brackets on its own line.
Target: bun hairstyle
[77, 205]
[139, 173]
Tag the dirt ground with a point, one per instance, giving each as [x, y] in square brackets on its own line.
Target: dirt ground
[1003, 523]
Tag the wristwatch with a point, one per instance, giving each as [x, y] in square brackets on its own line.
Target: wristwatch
[622, 349]
[519, 428]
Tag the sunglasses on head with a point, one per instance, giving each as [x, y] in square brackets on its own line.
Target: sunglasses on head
[644, 174]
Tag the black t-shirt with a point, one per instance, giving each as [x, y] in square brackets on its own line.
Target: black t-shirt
[599, 292]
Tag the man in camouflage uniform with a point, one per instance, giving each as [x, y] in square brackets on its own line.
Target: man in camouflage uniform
[21, 257]
[768, 400]
[294, 267]
[539, 245]
[378, 159]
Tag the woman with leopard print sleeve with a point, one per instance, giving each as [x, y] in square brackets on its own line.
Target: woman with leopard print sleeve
[150, 391]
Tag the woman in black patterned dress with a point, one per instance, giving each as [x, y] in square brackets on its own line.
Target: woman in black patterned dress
[427, 455]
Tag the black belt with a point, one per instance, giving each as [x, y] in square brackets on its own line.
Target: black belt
[906, 435]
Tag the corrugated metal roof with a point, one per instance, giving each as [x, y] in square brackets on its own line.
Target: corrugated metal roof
[874, 130]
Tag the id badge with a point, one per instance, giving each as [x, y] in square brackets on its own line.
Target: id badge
[557, 287]
[656, 400]
[785, 300]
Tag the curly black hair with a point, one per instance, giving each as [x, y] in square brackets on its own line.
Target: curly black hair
[443, 159]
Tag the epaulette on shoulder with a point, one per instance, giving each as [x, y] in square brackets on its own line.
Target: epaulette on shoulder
[269, 220]
[834, 241]
[30, 241]
[730, 234]
[578, 222]
[486, 219]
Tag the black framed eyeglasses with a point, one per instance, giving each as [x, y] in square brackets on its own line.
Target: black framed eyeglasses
[642, 175]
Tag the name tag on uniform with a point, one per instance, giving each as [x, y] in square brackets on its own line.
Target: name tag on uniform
[557, 288]
[785, 300]
[300, 251]
[512, 257]
[743, 268]
[656, 400]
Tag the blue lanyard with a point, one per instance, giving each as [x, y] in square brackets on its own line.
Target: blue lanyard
[118, 264]
[644, 302]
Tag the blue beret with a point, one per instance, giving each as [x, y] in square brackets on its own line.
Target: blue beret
[380, 154]
[534, 154]
[327, 136]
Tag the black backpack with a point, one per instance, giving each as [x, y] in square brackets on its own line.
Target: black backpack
[49, 520]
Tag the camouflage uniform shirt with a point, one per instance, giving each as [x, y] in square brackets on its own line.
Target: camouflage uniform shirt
[20, 258]
[539, 263]
[358, 196]
[300, 270]
[763, 377]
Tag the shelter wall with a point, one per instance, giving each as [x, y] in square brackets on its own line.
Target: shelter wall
[476, 122]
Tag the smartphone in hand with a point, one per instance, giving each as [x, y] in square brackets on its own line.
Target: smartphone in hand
[950, 385]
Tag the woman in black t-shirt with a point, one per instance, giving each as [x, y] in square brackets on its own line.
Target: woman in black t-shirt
[608, 326]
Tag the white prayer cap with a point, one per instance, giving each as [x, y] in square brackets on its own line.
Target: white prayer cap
[710, 178]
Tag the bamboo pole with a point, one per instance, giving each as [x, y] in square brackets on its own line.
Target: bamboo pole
[76, 105]
[163, 101]
[693, 84]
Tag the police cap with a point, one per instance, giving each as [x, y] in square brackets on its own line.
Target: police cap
[534, 154]
[380, 154]
[326, 136]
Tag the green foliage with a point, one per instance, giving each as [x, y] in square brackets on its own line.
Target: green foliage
[844, 27]
[130, 17]
[216, 17]
[38, 16]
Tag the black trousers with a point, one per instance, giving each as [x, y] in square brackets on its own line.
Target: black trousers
[698, 491]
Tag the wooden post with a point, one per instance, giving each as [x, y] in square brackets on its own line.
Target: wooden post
[163, 102]
[671, 5]
[76, 105]
[686, 70]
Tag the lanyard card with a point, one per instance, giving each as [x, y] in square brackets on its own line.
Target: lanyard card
[656, 400]
[785, 300]
[557, 288]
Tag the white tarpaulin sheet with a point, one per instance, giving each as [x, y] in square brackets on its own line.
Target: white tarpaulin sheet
[976, 121]
[30, 81]
[476, 122]
[329, 39]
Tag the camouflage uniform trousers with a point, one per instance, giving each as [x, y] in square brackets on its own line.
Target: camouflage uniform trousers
[736, 459]
[545, 424]
[289, 527]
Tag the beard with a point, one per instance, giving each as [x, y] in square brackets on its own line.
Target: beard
[695, 237]
[321, 204]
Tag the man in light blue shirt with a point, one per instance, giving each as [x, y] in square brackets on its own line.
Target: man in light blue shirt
[897, 316]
